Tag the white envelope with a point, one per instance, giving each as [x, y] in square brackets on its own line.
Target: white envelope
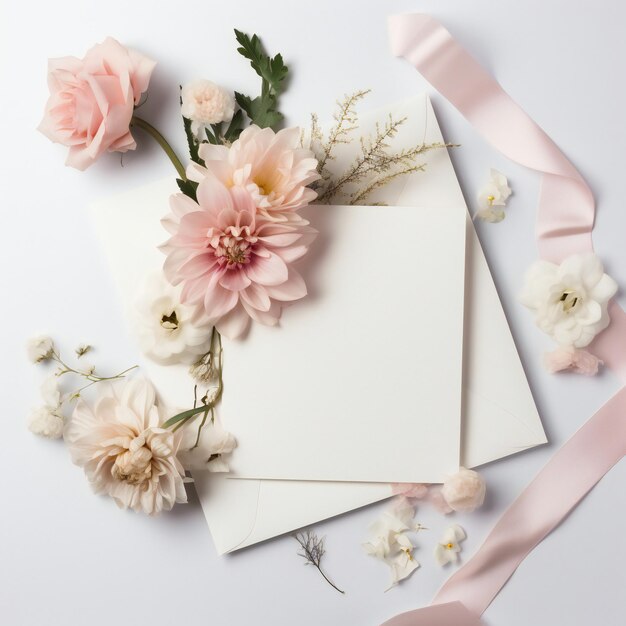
[499, 416]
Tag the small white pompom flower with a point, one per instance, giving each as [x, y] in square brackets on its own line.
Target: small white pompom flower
[205, 103]
[46, 422]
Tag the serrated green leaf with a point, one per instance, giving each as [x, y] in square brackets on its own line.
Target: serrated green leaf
[192, 140]
[271, 70]
[261, 110]
[235, 127]
[188, 187]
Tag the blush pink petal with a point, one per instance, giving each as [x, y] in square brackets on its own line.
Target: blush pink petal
[219, 301]
[213, 197]
[293, 288]
[234, 280]
[234, 323]
[257, 297]
[270, 270]
[267, 318]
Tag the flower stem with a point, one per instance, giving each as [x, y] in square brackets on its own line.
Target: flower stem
[158, 137]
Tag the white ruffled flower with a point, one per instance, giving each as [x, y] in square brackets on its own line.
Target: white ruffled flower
[448, 548]
[493, 197]
[205, 103]
[390, 543]
[569, 300]
[213, 444]
[169, 331]
[39, 348]
[46, 422]
[124, 451]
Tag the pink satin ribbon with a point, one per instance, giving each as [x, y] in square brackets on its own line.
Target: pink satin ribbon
[565, 220]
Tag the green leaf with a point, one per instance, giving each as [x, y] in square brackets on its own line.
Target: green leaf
[188, 187]
[272, 70]
[235, 127]
[185, 415]
[261, 110]
[211, 137]
[192, 140]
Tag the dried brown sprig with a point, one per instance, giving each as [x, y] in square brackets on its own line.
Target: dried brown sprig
[375, 166]
[312, 553]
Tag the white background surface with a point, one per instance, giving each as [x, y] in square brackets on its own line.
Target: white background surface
[69, 558]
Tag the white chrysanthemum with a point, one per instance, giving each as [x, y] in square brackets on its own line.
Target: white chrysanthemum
[569, 300]
[125, 452]
[39, 348]
[46, 422]
[390, 543]
[448, 548]
[169, 331]
[205, 103]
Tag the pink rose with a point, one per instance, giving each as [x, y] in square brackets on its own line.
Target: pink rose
[92, 100]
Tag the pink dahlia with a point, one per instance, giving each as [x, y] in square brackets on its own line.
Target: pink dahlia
[273, 167]
[233, 263]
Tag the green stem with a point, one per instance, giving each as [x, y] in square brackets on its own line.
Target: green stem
[158, 137]
[216, 358]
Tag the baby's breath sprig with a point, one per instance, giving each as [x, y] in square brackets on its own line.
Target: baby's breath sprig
[87, 371]
[312, 552]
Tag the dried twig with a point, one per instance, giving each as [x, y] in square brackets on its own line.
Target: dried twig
[312, 552]
[375, 166]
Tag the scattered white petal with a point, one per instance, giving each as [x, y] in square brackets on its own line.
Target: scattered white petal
[390, 543]
[448, 548]
[492, 198]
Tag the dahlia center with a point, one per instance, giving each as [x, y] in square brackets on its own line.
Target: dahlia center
[570, 299]
[133, 466]
[170, 322]
[233, 251]
[265, 186]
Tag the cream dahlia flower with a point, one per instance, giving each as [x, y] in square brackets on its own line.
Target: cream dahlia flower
[124, 451]
[569, 300]
[168, 330]
[273, 167]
